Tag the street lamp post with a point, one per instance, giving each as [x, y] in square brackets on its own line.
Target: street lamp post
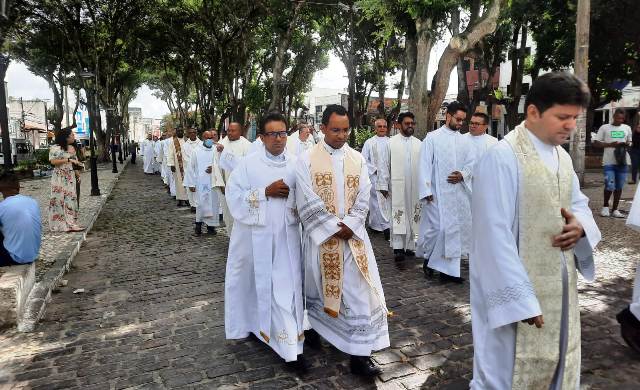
[93, 106]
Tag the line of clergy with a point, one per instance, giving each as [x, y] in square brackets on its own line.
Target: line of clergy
[301, 267]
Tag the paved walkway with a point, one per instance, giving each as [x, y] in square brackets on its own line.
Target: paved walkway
[151, 315]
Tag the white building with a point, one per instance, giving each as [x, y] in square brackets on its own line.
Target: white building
[28, 120]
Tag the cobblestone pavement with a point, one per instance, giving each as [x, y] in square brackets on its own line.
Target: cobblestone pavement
[151, 315]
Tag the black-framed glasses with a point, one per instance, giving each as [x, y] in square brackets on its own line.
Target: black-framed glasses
[276, 134]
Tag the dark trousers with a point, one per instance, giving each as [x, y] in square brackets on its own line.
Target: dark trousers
[5, 257]
[133, 158]
[635, 163]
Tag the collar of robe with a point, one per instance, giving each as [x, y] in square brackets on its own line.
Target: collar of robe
[274, 161]
[331, 150]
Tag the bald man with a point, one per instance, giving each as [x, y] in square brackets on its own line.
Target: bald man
[235, 147]
[376, 152]
[204, 180]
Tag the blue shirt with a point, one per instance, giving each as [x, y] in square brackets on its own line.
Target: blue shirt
[21, 227]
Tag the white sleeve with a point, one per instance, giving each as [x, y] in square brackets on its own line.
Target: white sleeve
[583, 250]
[425, 171]
[247, 205]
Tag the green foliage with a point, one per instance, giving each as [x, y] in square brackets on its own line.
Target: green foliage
[362, 135]
[26, 165]
[41, 156]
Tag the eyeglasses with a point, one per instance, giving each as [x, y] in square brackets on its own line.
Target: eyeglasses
[476, 124]
[276, 134]
[338, 131]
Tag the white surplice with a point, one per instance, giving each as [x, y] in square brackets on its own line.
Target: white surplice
[147, 151]
[480, 143]
[256, 145]
[207, 185]
[376, 152]
[633, 221]
[188, 150]
[174, 161]
[296, 147]
[171, 180]
[159, 152]
[445, 225]
[232, 154]
[361, 325]
[405, 201]
[263, 282]
[496, 270]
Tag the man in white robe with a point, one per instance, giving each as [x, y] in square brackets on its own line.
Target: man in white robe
[480, 140]
[171, 186]
[147, 151]
[263, 281]
[300, 141]
[344, 296]
[377, 154]
[159, 153]
[406, 208]
[175, 162]
[190, 145]
[203, 178]
[156, 150]
[446, 161]
[530, 219]
[256, 146]
[629, 318]
[235, 147]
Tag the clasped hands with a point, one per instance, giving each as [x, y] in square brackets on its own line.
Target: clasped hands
[277, 189]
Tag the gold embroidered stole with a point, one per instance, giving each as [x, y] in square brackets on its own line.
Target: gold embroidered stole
[541, 196]
[332, 250]
[178, 148]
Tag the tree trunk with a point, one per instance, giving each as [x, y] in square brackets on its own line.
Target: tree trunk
[419, 95]
[278, 66]
[517, 72]
[463, 88]
[396, 110]
[4, 115]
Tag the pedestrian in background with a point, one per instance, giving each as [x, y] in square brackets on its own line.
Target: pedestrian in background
[635, 154]
[133, 149]
[63, 205]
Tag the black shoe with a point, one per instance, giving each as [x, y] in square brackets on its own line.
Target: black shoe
[398, 255]
[409, 253]
[387, 234]
[193, 209]
[198, 229]
[211, 230]
[363, 366]
[301, 366]
[428, 272]
[450, 279]
[312, 339]
[629, 329]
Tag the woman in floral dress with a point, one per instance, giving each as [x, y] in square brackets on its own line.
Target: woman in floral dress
[63, 207]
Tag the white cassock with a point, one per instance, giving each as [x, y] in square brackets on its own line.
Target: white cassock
[376, 152]
[263, 282]
[173, 160]
[405, 202]
[296, 147]
[147, 156]
[230, 157]
[189, 148]
[501, 291]
[445, 225]
[170, 179]
[256, 145]
[207, 185]
[160, 145]
[361, 324]
[480, 144]
[633, 221]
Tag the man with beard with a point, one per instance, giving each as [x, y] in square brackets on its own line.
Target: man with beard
[447, 159]
[405, 203]
[235, 147]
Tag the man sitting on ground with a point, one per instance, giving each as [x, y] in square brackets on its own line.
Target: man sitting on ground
[20, 225]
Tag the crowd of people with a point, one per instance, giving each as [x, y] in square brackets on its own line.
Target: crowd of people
[298, 209]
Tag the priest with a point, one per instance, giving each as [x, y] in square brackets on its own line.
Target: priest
[204, 180]
[263, 282]
[175, 162]
[147, 151]
[405, 203]
[376, 153]
[235, 147]
[480, 140]
[300, 141]
[533, 230]
[171, 186]
[344, 296]
[159, 153]
[629, 318]
[446, 161]
[191, 144]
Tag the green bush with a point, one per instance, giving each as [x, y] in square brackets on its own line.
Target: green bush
[42, 157]
[362, 135]
[26, 165]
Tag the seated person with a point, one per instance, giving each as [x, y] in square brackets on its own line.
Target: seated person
[20, 225]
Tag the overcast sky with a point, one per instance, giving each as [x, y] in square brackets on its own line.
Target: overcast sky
[23, 83]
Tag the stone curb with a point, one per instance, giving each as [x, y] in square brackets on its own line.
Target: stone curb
[40, 295]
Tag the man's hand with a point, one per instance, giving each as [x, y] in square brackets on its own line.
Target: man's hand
[455, 177]
[277, 189]
[192, 189]
[344, 233]
[173, 169]
[538, 321]
[572, 231]
[219, 147]
[385, 193]
[208, 170]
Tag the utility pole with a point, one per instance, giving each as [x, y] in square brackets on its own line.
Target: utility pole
[581, 70]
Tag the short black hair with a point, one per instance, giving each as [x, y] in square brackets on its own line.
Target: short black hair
[482, 115]
[619, 111]
[454, 107]
[407, 114]
[333, 109]
[8, 179]
[553, 88]
[272, 116]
